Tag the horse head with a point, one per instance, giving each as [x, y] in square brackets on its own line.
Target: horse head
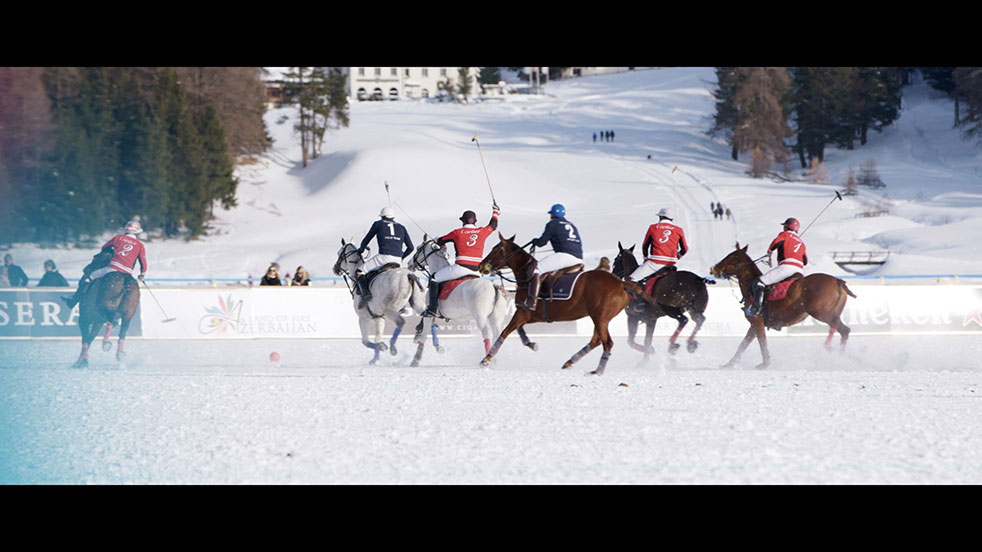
[733, 264]
[505, 254]
[624, 262]
[348, 259]
[429, 256]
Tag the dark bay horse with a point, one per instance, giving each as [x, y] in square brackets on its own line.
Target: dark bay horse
[821, 296]
[597, 294]
[675, 293]
[114, 297]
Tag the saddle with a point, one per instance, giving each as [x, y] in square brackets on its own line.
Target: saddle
[384, 268]
[650, 282]
[447, 287]
[558, 284]
[776, 292]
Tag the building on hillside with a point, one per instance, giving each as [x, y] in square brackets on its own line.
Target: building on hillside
[381, 83]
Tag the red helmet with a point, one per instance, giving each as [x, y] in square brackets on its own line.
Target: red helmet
[791, 224]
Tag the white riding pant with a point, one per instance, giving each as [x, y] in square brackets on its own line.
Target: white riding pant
[556, 261]
[646, 269]
[378, 261]
[452, 272]
[778, 273]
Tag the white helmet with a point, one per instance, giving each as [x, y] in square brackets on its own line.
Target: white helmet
[133, 227]
[386, 212]
[667, 212]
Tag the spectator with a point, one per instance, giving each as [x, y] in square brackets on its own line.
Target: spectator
[4, 281]
[301, 278]
[612, 136]
[729, 215]
[14, 273]
[52, 278]
[594, 137]
[272, 276]
[719, 211]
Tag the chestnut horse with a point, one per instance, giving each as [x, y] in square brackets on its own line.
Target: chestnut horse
[820, 296]
[597, 294]
[675, 293]
[114, 297]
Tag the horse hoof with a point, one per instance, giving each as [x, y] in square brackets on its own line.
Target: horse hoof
[120, 355]
[692, 346]
[485, 363]
[673, 347]
[393, 350]
[107, 345]
[440, 349]
[567, 365]
[81, 364]
[533, 346]
[383, 347]
[414, 363]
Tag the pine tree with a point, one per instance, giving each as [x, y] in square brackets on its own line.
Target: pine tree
[186, 188]
[726, 115]
[216, 166]
[968, 90]
[761, 121]
[875, 100]
[819, 103]
[489, 75]
[464, 85]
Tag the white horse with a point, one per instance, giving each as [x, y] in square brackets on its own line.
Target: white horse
[474, 299]
[392, 291]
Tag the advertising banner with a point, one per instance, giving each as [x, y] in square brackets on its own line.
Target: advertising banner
[39, 313]
[310, 312]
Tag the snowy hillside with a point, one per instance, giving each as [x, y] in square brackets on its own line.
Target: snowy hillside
[540, 150]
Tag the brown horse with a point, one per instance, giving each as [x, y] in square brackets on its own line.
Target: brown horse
[820, 296]
[597, 294]
[114, 297]
[675, 293]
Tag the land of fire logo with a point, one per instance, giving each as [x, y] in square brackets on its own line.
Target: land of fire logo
[221, 318]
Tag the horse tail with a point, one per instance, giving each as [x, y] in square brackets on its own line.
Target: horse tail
[416, 297]
[845, 288]
[634, 288]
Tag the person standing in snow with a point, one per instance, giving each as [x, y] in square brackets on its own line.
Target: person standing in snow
[394, 245]
[52, 278]
[126, 250]
[664, 244]
[791, 257]
[468, 242]
[272, 276]
[15, 273]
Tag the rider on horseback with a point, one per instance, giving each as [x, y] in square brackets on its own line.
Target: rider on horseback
[566, 246]
[468, 243]
[791, 258]
[125, 249]
[394, 244]
[664, 244]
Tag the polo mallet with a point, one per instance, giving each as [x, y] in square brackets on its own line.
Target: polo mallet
[166, 319]
[675, 184]
[474, 139]
[837, 196]
[387, 193]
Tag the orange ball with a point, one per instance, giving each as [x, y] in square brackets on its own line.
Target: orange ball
[274, 356]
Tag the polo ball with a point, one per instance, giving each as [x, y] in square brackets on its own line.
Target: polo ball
[274, 356]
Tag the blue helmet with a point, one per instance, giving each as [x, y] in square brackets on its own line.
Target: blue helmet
[557, 210]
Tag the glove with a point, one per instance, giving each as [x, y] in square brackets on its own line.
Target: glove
[494, 207]
[141, 276]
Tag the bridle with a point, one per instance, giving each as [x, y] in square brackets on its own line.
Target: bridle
[424, 265]
[504, 263]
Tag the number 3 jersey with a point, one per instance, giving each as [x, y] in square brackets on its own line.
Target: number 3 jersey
[664, 243]
[126, 251]
[468, 242]
[790, 249]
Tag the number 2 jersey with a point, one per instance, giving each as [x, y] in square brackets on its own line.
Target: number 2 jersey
[563, 236]
[664, 243]
[468, 242]
[790, 249]
[127, 250]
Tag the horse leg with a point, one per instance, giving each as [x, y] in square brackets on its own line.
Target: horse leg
[691, 343]
[682, 319]
[124, 327]
[597, 339]
[375, 346]
[649, 333]
[106, 343]
[751, 334]
[608, 344]
[632, 332]
[765, 354]
[88, 331]
[420, 342]
[400, 322]
[517, 321]
[525, 339]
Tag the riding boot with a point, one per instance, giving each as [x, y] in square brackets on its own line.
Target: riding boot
[83, 284]
[533, 292]
[757, 299]
[361, 281]
[432, 298]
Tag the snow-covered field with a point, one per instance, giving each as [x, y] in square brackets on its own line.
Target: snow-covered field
[901, 409]
[221, 413]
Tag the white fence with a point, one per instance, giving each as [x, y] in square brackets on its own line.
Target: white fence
[307, 312]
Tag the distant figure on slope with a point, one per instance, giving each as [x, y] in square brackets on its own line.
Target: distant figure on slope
[394, 245]
[468, 241]
[791, 258]
[126, 250]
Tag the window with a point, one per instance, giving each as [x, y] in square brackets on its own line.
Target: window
[426, 71]
[407, 71]
[394, 72]
[425, 93]
[361, 71]
[443, 71]
[393, 94]
[378, 71]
